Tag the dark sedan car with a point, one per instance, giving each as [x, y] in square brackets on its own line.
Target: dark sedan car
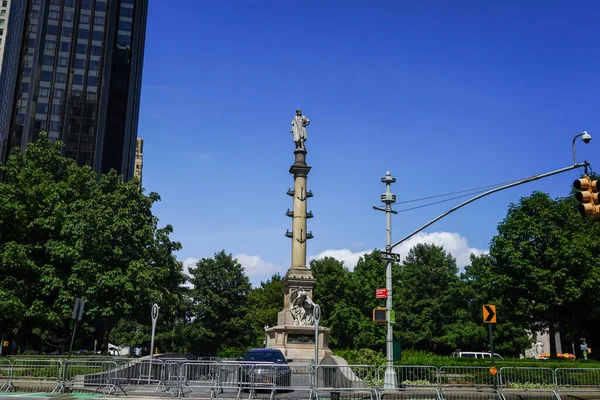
[265, 368]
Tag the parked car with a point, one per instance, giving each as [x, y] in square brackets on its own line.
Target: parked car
[265, 368]
[474, 354]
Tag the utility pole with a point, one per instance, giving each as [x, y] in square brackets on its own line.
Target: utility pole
[389, 380]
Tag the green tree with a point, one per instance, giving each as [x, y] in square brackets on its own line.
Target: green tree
[333, 292]
[545, 265]
[220, 305]
[369, 275]
[428, 283]
[64, 234]
[266, 301]
[477, 288]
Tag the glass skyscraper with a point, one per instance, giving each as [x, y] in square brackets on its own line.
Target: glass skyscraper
[79, 79]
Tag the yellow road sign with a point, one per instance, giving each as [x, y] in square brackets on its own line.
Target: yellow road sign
[493, 370]
[489, 313]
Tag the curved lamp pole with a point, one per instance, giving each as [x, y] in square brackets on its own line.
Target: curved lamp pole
[585, 138]
[388, 199]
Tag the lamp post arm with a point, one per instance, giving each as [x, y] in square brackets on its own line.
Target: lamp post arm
[517, 183]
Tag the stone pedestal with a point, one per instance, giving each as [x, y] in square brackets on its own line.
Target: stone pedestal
[298, 342]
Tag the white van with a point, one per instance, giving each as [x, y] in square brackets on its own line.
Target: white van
[474, 354]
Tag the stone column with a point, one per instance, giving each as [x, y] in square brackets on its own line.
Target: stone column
[299, 212]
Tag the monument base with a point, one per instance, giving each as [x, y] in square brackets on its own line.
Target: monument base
[298, 342]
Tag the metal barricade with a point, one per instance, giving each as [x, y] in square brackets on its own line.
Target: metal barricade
[467, 378]
[38, 374]
[173, 378]
[276, 378]
[4, 374]
[577, 379]
[523, 379]
[83, 375]
[213, 377]
[139, 375]
[411, 378]
[356, 378]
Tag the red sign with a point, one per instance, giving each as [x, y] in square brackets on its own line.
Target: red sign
[381, 293]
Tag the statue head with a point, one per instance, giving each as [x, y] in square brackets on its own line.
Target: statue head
[299, 112]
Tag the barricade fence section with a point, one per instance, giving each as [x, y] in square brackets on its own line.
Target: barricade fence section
[577, 379]
[43, 374]
[527, 378]
[462, 378]
[88, 374]
[4, 375]
[214, 378]
[411, 377]
[355, 378]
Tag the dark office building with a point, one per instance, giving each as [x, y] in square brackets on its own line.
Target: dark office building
[79, 79]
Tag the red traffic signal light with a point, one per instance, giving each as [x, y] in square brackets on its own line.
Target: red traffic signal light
[587, 196]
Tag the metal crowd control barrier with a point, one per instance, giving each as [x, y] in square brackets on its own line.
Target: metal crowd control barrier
[200, 375]
[467, 378]
[4, 375]
[357, 378]
[90, 375]
[138, 375]
[29, 372]
[422, 379]
[577, 379]
[172, 378]
[276, 378]
[525, 379]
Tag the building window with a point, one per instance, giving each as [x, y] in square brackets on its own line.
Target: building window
[2, 13]
[4, 3]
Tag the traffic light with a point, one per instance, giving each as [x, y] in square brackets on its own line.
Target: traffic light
[380, 315]
[587, 196]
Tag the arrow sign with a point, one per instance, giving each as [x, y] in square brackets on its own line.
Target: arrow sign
[388, 256]
[489, 313]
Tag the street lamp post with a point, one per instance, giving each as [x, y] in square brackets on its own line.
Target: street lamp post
[389, 379]
[388, 199]
[585, 138]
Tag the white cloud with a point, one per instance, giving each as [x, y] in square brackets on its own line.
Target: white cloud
[187, 264]
[349, 257]
[255, 265]
[452, 242]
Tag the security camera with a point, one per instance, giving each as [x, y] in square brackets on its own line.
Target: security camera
[586, 137]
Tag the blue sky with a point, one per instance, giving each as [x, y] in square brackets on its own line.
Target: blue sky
[445, 95]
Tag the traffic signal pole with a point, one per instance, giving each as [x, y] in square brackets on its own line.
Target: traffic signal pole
[389, 378]
[498, 189]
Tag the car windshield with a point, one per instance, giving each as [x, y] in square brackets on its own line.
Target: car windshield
[264, 356]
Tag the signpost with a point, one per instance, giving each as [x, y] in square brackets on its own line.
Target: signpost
[77, 315]
[317, 315]
[489, 317]
[381, 293]
[154, 315]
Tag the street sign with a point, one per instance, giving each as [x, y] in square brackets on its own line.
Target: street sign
[489, 313]
[381, 293]
[317, 312]
[78, 309]
[388, 256]
[493, 370]
[392, 316]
